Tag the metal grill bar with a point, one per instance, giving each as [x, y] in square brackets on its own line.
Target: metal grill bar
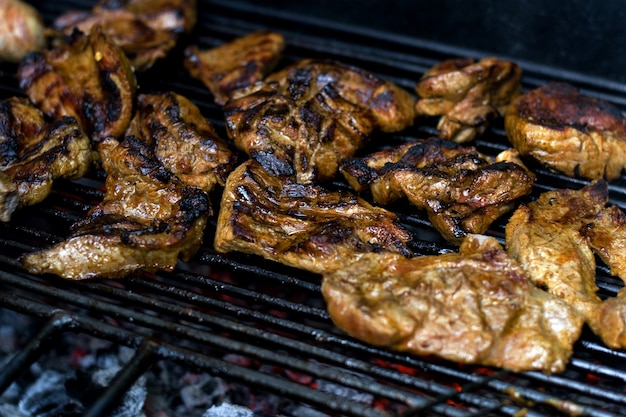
[165, 350]
[178, 329]
[33, 349]
[123, 380]
[273, 313]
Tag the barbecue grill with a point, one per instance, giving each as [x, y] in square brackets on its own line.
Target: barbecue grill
[217, 306]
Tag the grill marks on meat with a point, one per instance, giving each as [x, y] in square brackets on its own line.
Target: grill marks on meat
[467, 95]
[156, 203]
[146, 30]
[461, 190]
[301, 121]
[35, 152]
[147, 219]
[554, 239]
[88, 77]
[298, 125]
[568, 132]
[299, 225]
[475, 306]
[184, 141]
[235, 65]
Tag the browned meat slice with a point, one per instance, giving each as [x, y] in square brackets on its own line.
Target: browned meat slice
[461, 190]
[303, 120]
[236, 64]
[607, 237]
[88, 77]
[475, 306]
[185, 142]
[546, 238]
[303, 226]
[146, 30]
[35, 152]
[22, 30]
[467, 95]
[568, 132]
[147, 220]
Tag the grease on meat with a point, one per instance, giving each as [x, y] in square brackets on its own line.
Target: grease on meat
[468, 95]
[145, 30]
[146, 221]
[607, 238]
[184, 141]
[300, 225]
[34, 152]
[301, 121]
[568, 131]
[461, 190]
[87, 77]
[235, 65]
[545, 237]
[475, 307]
[156, 204]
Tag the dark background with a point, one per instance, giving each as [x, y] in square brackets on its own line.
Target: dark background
[588, 37]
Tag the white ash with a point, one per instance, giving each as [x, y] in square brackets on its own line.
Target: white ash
[134, 398]
[48, 397]
[231, 410]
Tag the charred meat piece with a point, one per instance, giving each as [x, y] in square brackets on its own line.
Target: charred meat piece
[475, 307]
[22, 30]
[607, 238]
[467, 95]
[568, 132]
[147, 220]
[235, 65]
[184, 141]
[546, 238]
[35, 152]
[303, 226]
[301, 121]
[146, 30]
[88, 77]
[461, 190]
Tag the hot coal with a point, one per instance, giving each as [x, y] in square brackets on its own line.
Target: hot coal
[68, 378]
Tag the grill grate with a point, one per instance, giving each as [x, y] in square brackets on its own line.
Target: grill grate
[222, 304]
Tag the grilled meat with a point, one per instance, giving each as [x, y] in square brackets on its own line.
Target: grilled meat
[22, 30]
[146, 221]
[461, 190]
[607, 238]
[156, 203]
[299, 225]
[235, 65]
[146, 30]
[301, 121]
[546, 238]
[475, 306]
[184, 141]
[568, 132]
[467, 95]
[35, 152]
[88, 78]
